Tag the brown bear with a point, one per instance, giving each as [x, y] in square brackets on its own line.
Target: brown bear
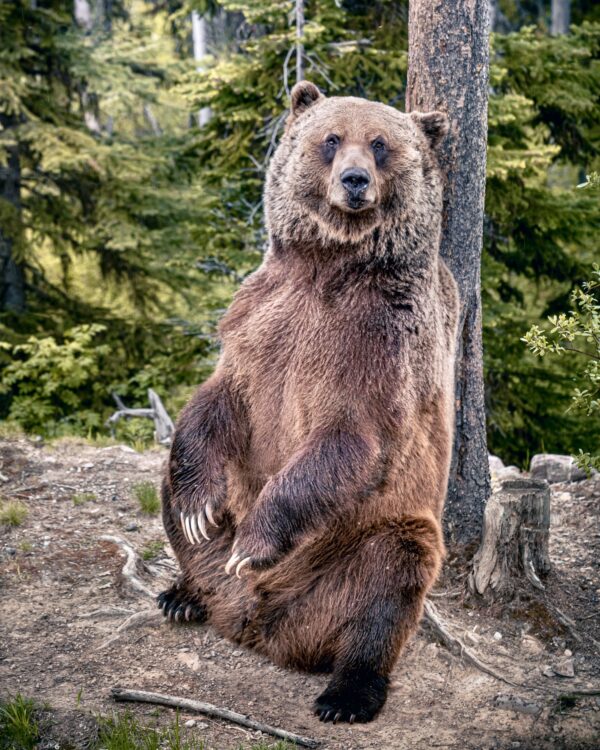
[307, 476]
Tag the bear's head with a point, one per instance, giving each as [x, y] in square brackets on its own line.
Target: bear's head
[347, 166]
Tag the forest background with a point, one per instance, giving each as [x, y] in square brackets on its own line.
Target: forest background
[131, 175]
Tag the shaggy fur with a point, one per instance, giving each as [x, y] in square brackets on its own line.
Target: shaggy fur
[321, 444]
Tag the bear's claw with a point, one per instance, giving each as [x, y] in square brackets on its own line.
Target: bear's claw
[176, 608]
[195, 525]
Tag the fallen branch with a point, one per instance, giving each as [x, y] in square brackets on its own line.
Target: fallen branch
[129, 568]
[138, 618]
[456, 646]
[142, 696]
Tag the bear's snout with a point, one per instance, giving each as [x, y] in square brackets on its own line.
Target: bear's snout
[355, 181]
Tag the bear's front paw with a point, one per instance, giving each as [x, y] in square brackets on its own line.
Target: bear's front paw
[194, 523]
[254, 551]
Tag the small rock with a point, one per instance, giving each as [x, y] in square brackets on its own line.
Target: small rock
[190, 723]
[496, 464]
[201, 725]
[565, 667]
[132, 527]
[10, 551]
[237, 653]
[497, 636]
[547, 671]
[568, 652]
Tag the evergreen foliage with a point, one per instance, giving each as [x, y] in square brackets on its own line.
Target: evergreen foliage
[133, 225]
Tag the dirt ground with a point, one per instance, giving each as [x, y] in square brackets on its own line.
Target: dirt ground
[63, 597]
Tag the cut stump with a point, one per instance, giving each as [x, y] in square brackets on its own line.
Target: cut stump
[515, 540]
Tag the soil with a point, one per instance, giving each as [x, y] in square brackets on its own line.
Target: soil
[64, 596]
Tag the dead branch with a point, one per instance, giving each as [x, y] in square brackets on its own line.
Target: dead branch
[455, 645]
[143, 696]
[138, 618]
[163, 424]
[129, 569]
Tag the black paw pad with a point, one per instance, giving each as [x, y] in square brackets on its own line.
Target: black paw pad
[354, 698]
[177, 607]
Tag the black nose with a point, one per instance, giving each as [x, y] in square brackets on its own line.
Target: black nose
[355, 180]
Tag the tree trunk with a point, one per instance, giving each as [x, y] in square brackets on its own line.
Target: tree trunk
[514, 548]
[561, 17]
[200, 51]
[448, 70]
[12, 278]
[299, 38]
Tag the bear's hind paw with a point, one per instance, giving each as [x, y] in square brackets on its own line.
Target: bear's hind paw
[355, 698]
[177, 607]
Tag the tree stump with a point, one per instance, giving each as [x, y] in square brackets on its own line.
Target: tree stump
[514, 548]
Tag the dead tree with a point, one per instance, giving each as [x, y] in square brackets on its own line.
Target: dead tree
[448, 65]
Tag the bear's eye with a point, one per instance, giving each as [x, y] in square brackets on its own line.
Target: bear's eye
[329, 148]
[379, 151]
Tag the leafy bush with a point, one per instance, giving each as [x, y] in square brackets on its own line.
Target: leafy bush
[578, 333]
[51, 381]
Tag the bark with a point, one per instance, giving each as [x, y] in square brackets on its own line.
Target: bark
[514, 549]
[12, 278]
[448, 71]
[561, 17]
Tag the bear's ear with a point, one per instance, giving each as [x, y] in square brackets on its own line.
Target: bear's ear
[303, 96]
[435, 125]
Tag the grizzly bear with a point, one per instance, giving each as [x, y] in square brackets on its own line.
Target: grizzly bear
[307, 476]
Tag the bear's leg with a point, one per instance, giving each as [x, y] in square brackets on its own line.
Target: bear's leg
[383, 578]
[347, 602]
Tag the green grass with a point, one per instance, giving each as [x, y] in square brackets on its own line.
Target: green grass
[12, 513]
[124, 732]
[152, 550]
[19, 730]
[147, 497]
[83, 497]
[18, 726]
[26, 546]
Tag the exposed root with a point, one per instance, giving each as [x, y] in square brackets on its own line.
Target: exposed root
[142, 696]
[129, 569]
[147, 616]
[456, 646]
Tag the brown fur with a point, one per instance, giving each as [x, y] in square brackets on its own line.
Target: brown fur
[322, 441]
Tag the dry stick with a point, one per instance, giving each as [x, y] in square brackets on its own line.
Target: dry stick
[570, 625]
[454, 644]
[143, 696]
[128, 571]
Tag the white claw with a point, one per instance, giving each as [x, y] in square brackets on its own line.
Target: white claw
[209, 515]
[188, 529]
[202, 524]
[241, 566]
[194, 529]
[233, 561]
[188, 612]
[182, 522]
